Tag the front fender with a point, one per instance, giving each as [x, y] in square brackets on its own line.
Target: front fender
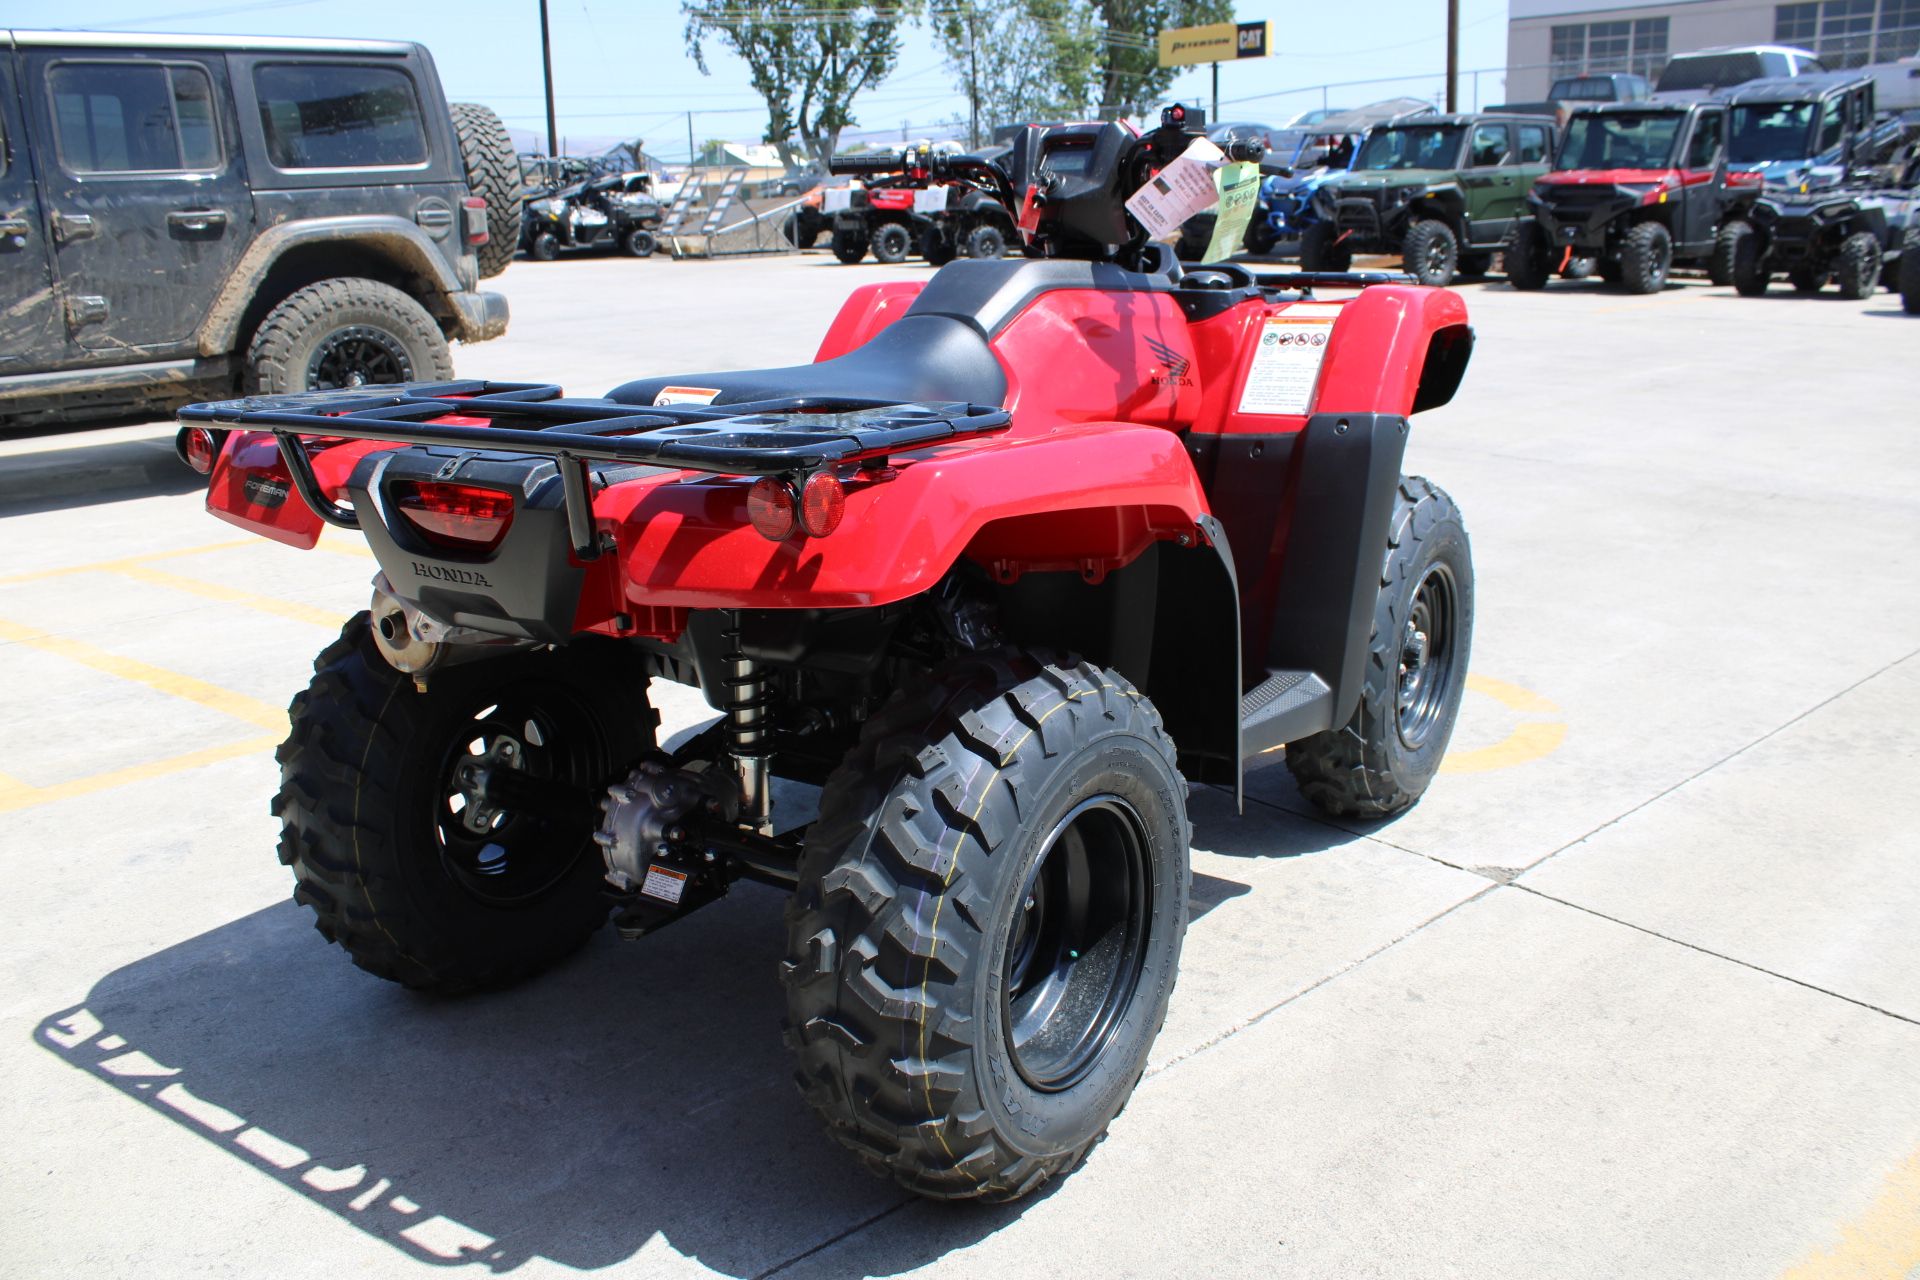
[1089, 497]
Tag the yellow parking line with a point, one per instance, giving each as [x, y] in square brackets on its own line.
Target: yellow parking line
[1883, 1241]
[171, 683]
[1530, 739]
[19, 795]
[109, 566]
[228, 595]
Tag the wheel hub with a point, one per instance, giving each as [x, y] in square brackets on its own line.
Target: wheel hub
[356, 355]
[1425, 669]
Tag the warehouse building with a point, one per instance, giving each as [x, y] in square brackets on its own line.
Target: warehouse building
[1547, 39]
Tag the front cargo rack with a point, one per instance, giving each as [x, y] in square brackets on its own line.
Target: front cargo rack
[789, 435]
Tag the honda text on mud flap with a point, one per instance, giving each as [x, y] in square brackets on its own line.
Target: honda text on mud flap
[1033, 543]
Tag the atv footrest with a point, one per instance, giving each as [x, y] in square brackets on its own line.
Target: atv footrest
[1286, 706]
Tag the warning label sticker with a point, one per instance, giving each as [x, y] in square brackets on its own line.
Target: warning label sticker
[686, 395]
[664, 884]
[1286, 364]
[930, 200]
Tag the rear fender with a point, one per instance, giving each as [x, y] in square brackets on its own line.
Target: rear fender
[867, 310]
[250, 486]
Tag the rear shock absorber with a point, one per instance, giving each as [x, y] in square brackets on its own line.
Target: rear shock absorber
[749, 728]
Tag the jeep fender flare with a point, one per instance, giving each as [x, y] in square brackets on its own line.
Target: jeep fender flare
[1443, 202]
[402, 242]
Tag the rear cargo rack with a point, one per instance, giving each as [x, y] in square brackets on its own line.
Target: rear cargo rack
[789, 435]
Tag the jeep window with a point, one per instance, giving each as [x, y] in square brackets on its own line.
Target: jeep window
[1617, 140]
[1431, 146]
[1534, 144]
[1764, 132]
[339, 116]
[1490, 145]
[1705, 142]
[127, 117]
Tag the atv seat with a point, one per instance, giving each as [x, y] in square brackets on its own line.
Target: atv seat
[918, 359]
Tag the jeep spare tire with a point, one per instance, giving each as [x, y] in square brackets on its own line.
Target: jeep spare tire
[345, 333]
[493, 174]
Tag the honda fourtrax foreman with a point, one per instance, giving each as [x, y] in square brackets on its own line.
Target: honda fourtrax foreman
[1032, 544]
[1639, 186]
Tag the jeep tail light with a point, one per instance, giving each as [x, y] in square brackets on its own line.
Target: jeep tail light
[456, 517]
[198, 448]
[477, 229]
[772, 508]
[822, 502]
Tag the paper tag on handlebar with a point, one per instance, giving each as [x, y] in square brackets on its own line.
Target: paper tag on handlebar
[1177, 192]
[1238, 184]
[931, 200]
[1030, 213]
[835, 199]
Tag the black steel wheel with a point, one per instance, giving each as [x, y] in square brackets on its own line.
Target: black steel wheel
[1856, 268]
[1646, 256]
[849, 246]
[639, 243]
[987, 242]
[892, 242]
[544, 247]
[1383, 759]
[988, 923]
[346, 332]
[1527, 256]
[1431, 253]
[444, 837]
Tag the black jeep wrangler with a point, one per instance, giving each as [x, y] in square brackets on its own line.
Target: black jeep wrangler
[185, 216]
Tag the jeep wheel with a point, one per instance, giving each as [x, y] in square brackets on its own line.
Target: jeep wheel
[986, 242]
[1737, 257]
[1646, 255]
[1431, 254]
[1910, 277]
[891, 243]
[345, 333]
[544, 247]
[1857, 268]
[1527, 263]
[849, 246]
[638, 243]
[406, 855]
[938, 248]
[987, 925]
[1805, 278]
[1382, 759]
[1321, 249]
[493, 174]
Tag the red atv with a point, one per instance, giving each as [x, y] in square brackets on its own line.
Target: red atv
[1031, 545]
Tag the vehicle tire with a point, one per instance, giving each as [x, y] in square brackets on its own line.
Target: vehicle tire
[849, 246]
[346, 332]
[961, 1021]
[375, 819]
[1737, 257]
[1609, 269]
[1527, 261]
[1910, 278]
[1430, 252]
[1805, 279]
[1579, 267]
[937, 248]
[1320, 249]
[545, 247]
[891, 243]
[986, 242]
[1646, 255]
[493, 174]
[1259, 239]
[638, 243]
[1383, 758]
[1857, 267]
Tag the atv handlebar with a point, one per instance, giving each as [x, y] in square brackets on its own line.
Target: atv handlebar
[864, 164]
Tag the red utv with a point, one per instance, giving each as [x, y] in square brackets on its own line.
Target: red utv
[1639, 186]
[893, 215]
[1032, 545]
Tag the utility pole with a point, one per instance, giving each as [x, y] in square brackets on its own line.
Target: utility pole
[973, 82]
[1215, 117]
[1453, 55]
[546, 60]
[691, 154]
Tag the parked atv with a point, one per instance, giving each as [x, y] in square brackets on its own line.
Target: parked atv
[974, 223]
[1848, 234]
[1640, 187]
[917, 199]
[616, 210]
[1031, 545]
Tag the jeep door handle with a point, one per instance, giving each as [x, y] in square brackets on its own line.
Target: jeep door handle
[68, 227]
[197, 220]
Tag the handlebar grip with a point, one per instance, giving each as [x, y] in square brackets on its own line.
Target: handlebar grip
[876, 162]
[1245, 150]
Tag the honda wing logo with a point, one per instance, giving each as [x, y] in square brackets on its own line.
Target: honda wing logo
[1177, 365]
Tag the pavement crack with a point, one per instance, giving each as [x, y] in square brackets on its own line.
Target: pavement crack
[1721, 955]
[832, 1240]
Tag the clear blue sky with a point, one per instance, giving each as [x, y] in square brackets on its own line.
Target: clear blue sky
[622, 70]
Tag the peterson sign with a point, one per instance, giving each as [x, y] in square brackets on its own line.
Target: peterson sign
[1215, 42]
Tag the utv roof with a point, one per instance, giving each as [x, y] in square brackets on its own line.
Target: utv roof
[232, 44]
[1358, 119]
[1470, 117]
[1807, 88]
[1654, 106]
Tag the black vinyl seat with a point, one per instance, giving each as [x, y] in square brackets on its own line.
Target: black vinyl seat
[918, 359]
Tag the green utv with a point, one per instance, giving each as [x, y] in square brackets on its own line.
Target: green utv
[1439, 191]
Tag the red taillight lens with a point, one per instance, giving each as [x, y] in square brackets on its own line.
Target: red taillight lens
[771, 507]
[458, 517]
[478, 232]
[198, 448]
[822, 503]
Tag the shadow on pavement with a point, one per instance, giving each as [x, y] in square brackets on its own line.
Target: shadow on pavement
[92, 473]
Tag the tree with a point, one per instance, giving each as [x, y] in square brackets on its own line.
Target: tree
[1129, 76]
[1017, 59]
[808, 58]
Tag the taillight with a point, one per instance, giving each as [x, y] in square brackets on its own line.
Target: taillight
[198, 449]
[822, 502]
[457, 517]
[477, 229]
[771, 507]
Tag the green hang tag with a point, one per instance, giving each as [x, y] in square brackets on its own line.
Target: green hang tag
[1239, 187]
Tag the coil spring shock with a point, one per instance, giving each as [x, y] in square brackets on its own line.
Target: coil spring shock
[749, 733]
